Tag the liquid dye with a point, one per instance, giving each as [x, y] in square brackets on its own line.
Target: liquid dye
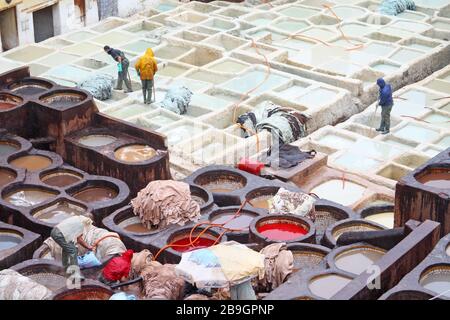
[328, 285]
[198, 199]
[356, 261]
[436, 180]
[222, 186]
[32, 163]
[242, 221]
[96, 140]
[59, 212]
[28, 197]
[60, 179]
[437, 281]
[9, 240]
[181, 245]
[7, 148]
[135, 153]
[95, 194]
[262, 202]
[136, 228]
[6, 106]
[282, 231]
[386, 219]
[29, 90]
[6, 177]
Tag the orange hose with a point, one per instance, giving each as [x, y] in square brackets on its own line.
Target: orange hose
[252, 133]
[103, 238]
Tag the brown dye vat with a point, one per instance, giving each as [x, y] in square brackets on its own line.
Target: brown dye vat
[6, 176]
[85, 293]
[95, 194]
[360, 226]
[260, 198]
[326, 286]
[221, 181]
[63, 99]
[308, 257]
[6, 105]
[262, 202]
[9, 239]
[32, 162]
[50, 280]
[7, 148]
[135, 153]
[8, 101]
[59, 212]
[61, 179]
[29, 87]
[436, 178]
[134, 225]
[357, 260]
[437, 279]
[323, 219]
[28, 197]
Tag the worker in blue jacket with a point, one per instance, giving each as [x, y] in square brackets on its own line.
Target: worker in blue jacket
[385, 102]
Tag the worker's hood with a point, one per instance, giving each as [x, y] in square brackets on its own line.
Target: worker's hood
[149, 53]
[381, 83]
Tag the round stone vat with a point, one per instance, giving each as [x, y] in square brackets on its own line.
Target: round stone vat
[86, 292]
[130, 223]
[327, 215]
[275, 228]
[202, 197]
[58, 211]
[31, 162]
[30, 86]
[9, 101]
[383, 215]
[97, 140]
[47, 273]
[9, 239]
[96, 193]
[355, 259]
[61, 178]
[308, 256]
[7, 176]
[63, 98]
[409, 295]
[28, 195]
[436, 177]
[328, 284]
[333, 232]
[221, 181]
[260, 197]
[134, 153]
[436, 278]
[8, 147]
[227, 216]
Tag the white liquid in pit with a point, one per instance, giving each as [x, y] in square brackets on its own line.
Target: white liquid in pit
[229, 66]
[386, 68]
[375, 149]
[438, 120]
[405, 55]
[343, 192]
[290, 26]
[181, 133]
[444, 142]
[356, 30]
[352, 162]
[407, 108]
[378, 49]
[420, 97]
[336, 141]
[416, 133]
[317, 97]
[385, 219]
[292, 92]
[298, 12]
[249, 80]
[125, 112]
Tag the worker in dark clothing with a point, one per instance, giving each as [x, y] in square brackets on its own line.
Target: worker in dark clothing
[122, 64]
[385, 102]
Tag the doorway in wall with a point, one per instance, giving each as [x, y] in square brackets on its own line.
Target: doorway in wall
[43, 24]
[80, 11]
[8, 29]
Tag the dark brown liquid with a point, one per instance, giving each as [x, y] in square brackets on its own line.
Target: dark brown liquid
[242, 221]
[6, 177]
[32, 163]
[61, 179]
[59, 212]
[6, 106]
[437, 180]
[96, 194]
[222, 186]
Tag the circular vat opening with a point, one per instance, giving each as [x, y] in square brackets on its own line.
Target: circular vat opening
[8, 147]
[181, 242]
[221, 181]
[340, 191]
[6, 176]
[9, 101]
[283, 228]
[383, 215]
[261, 197]
[353, 226]
[59, 211]
[326, 286]
[63, 99]
[61, 178]
[96, 140]
[307, 256]
[30, 87]
[90, 292]
[409, 295]
[326, 216]
[201, 196]
[435, 177]
[133, 224]
[228, 217]
[96, 193]
[27, 196]
[356, 260]
[135, 153]
[9, 239]
[437, 279]
[31, 162]
[47, 274]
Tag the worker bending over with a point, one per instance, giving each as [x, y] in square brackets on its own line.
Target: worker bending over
[146, 68]
[386, 102]
[122, 68]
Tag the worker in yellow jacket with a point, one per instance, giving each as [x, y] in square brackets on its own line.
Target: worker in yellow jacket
[146, 68]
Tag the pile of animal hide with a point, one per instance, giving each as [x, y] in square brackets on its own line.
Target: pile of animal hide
[99, 85]
[177, 99]
[395, 7]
